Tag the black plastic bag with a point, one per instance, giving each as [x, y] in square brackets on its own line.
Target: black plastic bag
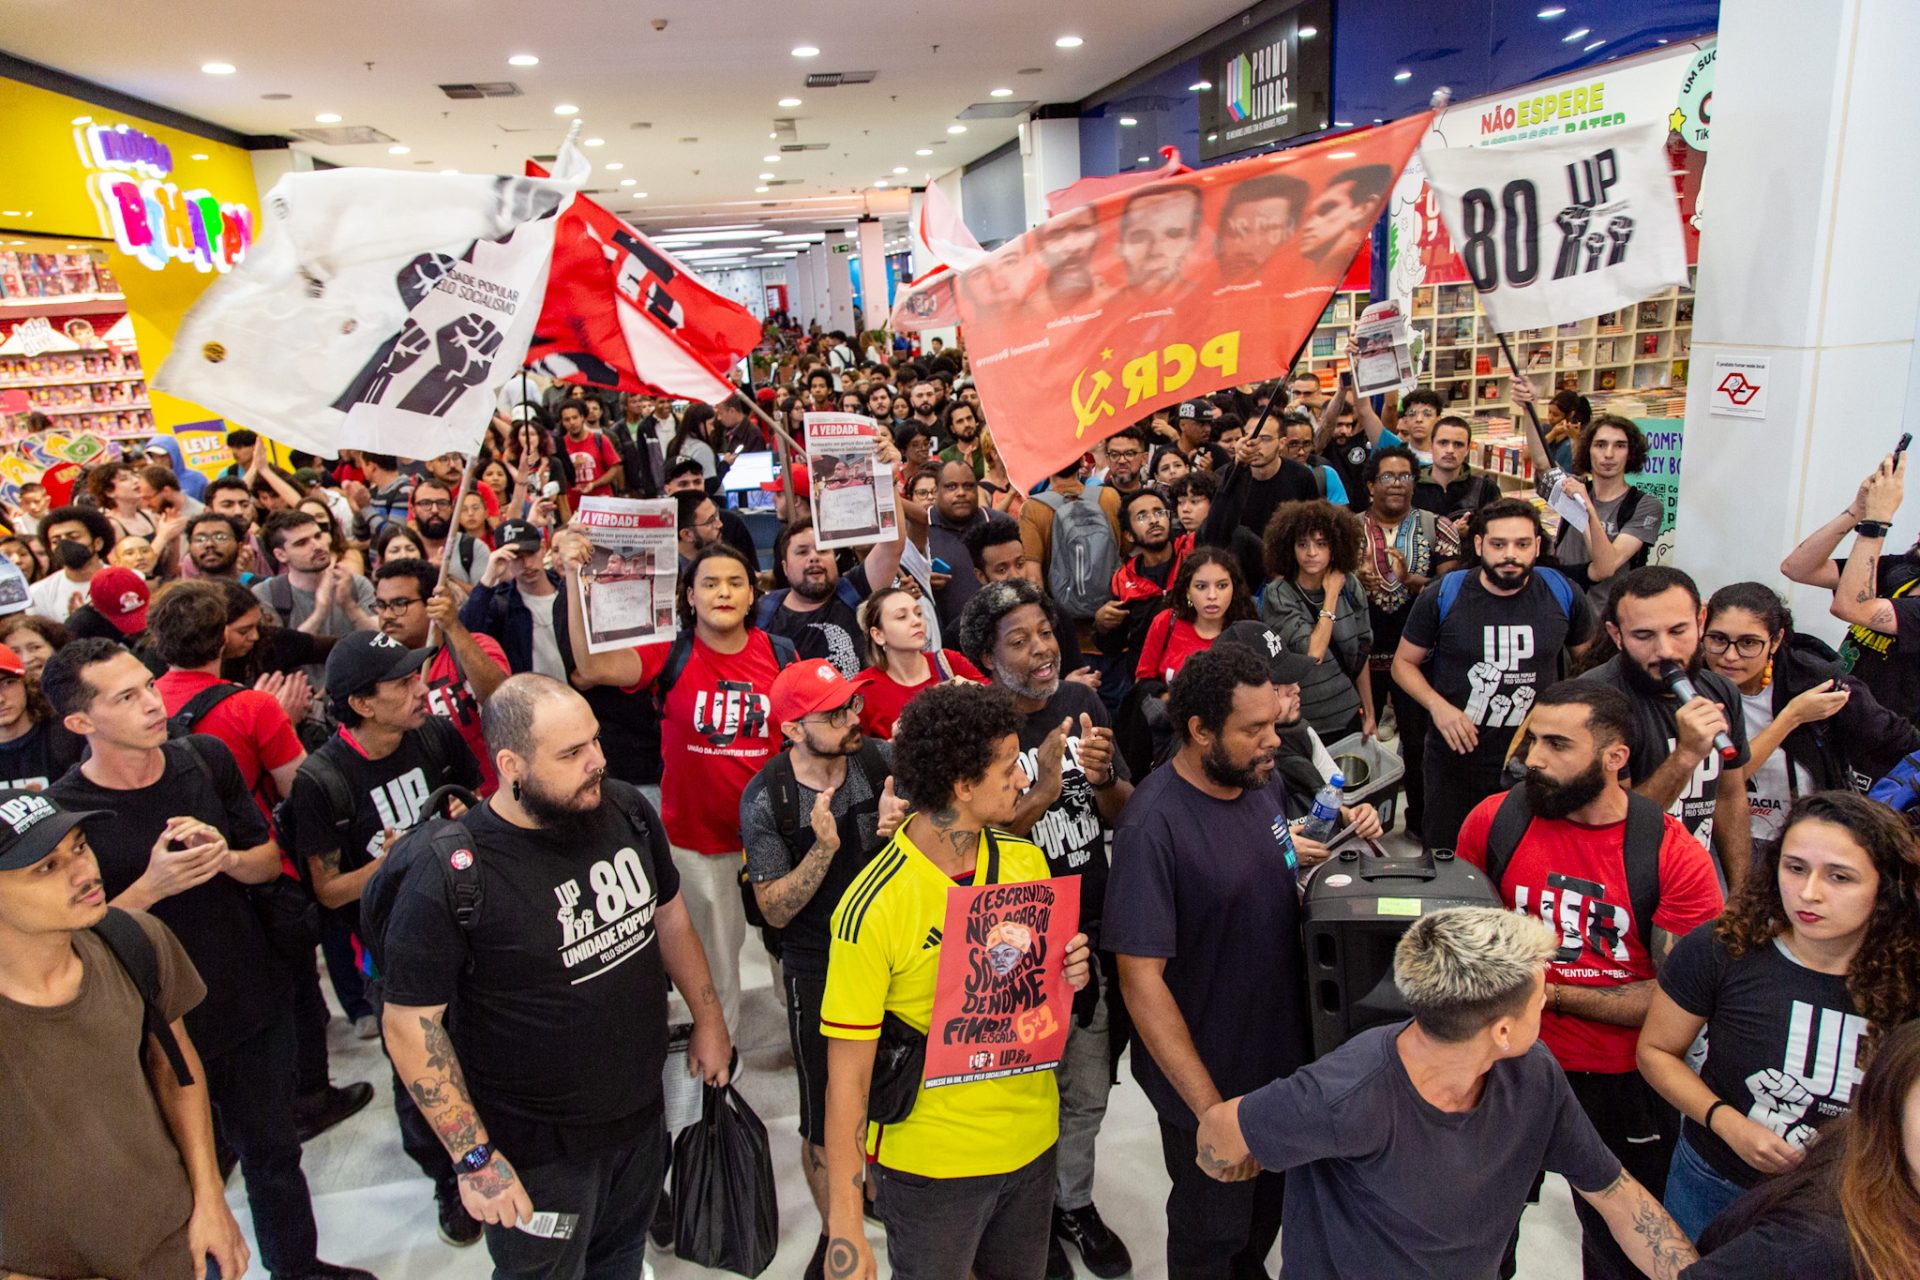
[725, 1214]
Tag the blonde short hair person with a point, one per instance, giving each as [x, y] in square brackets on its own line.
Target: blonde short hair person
[1461, 1095]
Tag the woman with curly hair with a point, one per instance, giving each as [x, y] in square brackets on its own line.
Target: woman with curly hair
[1813, 962]
[1316, 605]
[1852, 1207]
[1208, 596]
[34, 638]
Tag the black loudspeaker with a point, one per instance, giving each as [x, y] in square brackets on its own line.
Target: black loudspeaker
[1357, 905]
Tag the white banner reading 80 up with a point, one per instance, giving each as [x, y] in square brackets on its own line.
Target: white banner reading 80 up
[1562, 229]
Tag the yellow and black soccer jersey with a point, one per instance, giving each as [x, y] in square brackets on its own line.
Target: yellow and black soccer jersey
[885, 954]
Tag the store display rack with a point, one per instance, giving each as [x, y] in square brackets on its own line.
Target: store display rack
[83, 384]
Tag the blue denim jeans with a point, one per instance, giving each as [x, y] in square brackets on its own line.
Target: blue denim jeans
[1696, 1191]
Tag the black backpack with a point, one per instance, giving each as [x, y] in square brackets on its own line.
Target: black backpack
[1646, 831]
[132, 947]
[320, 769]
[783, 792]
[182, 722]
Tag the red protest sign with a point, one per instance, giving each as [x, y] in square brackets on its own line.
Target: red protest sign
[1167, 291]
[1001, 1003]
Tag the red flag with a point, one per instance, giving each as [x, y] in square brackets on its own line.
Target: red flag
[1167, 291]
[1087, 190]
[621, 313]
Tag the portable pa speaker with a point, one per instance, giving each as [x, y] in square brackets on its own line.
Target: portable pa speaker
[1358, 904]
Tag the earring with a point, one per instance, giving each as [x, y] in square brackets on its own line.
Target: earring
[1766, 677]
[516, 789]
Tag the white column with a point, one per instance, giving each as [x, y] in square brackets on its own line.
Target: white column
[822, 310]
[800, 287]
[839, 254]
[1803, 265]
[873, 275]
[1049, 160]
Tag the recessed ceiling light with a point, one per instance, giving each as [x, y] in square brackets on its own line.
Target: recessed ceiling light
[766, 177]
[615, 164]
[327, 117]
[1402, 75]
[1127, 122]
[789, 102]
[1000, 93]
[805, 51]
[899, 168]
[639, 195]
[1199, 86]
[1308, 33]
[1068, 42]
[924, 151]
[398, 150]
[217, 68]
[956, 128]
[880, 182]
[629, 182]
[1578, 33]
[762, 190]
[523, 60]
[199, 155]
[770, 159]
[566, 109]
[1595, 45]
[1551, 11]
[595, 142]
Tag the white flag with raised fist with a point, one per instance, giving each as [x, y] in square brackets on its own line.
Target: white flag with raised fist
[1562, 229]
[378, 310]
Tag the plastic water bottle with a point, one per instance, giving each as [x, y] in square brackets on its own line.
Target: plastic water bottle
[1326, 811]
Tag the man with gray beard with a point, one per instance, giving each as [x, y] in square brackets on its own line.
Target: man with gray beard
[1079, 787]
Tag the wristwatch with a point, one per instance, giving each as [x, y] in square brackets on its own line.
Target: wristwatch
[1872, 528]
[477, 1159]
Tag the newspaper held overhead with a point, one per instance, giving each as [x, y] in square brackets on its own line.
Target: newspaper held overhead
[852, 492]
[626, 589]
[1383, 356]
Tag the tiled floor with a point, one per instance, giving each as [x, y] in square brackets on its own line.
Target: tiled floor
[376, 1211]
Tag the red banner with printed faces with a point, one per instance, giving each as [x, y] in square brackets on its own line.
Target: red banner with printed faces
[1167, 291]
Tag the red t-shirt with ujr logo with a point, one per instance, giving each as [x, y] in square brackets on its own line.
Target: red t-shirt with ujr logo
[1574, 877]
[716, 731]
[450, 696]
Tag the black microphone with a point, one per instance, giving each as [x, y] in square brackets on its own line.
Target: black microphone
[1674, 676]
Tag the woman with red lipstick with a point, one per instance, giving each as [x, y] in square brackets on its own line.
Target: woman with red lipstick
[1816, 958]
[1208, 595]
[900, 665]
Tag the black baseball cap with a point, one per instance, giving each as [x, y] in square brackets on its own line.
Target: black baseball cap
[1193, 409]
[367, 658]
[518, 534]
[31, 825]
[1285, 667]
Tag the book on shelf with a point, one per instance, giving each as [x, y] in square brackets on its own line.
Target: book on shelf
[1322, 346]
[1603, 351]
[1650, 313]
[1649, 344]
[1569, 353]
[1456, 391]
[1606, 379]
[1683, 311]
[1342, 309]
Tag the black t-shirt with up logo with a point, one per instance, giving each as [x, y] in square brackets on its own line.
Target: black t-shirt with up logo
[388, 792]
[557, 996]
[1491, 655]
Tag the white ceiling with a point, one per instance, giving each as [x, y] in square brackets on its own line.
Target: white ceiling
[707, 86]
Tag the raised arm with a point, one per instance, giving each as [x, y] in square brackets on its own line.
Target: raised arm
[1811, 563]
[1856, 598]
[621, 668]
[1523, 395]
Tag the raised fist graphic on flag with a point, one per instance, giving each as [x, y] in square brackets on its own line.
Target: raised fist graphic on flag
[466, 346]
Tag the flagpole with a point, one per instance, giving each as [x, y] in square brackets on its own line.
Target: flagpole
[1536, 438]
[453, 534]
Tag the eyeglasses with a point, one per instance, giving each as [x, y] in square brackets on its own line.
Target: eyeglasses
[1393, 477]
[1124, 455]
[841, 718]
[398, 604]
[1745, 646]
[210, 539]
[433, 504]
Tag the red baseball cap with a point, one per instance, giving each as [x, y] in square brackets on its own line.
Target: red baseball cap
[807, 687]
[120, 596]
[10, 664]
[802, 481]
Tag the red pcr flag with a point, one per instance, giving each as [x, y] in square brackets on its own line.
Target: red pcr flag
[1167, 290]
[623, 314]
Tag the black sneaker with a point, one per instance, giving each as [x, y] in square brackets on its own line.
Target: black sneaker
[1099, 1248]
[457, 1227]
[662, 1228]
[1058, 1268]
[817, 1265]
[316, 1113]
[331, 1271]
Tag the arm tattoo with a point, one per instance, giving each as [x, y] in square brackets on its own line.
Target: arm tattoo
[441, 1092]
[784, 897]
[1883, 619]
[1210, 1162]
[842, 1258]
[1661, 948]
[491, 1180]
[330, 861]
[1669, 1249]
